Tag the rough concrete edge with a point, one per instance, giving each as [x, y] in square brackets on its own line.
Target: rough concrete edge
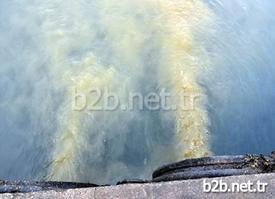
[163, 190]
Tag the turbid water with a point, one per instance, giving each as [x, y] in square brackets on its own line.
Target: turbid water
[54, 53]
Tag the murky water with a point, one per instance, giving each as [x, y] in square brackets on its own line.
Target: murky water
[54, 52]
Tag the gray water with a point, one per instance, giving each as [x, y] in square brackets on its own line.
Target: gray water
[49, 47]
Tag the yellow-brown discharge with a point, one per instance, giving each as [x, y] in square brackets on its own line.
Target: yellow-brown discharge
[181, 61]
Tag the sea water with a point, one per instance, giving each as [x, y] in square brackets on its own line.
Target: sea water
[58, 56]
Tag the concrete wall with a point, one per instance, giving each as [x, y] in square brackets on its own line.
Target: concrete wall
[167, 190]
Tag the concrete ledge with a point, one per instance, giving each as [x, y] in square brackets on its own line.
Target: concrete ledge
[165, 190]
